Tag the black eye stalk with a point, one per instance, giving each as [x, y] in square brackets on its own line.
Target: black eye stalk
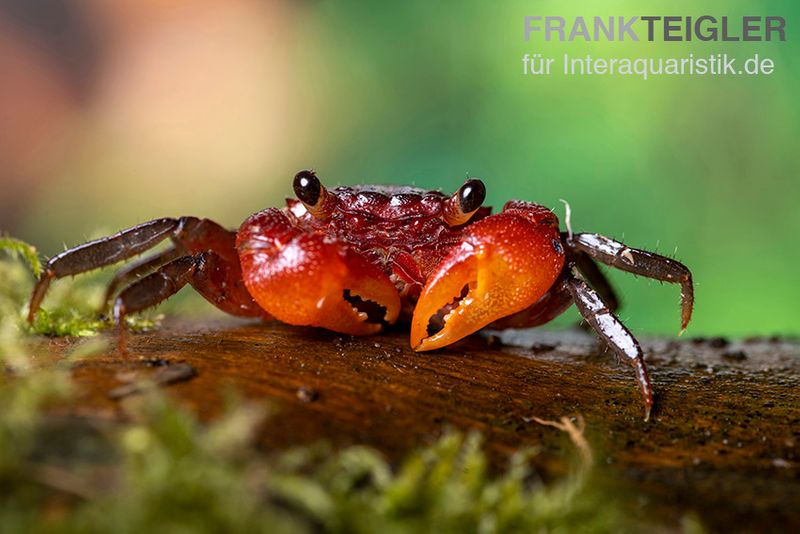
[313, 194]
[460, 207]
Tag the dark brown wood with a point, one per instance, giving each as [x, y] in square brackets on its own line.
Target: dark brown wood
[722, 441]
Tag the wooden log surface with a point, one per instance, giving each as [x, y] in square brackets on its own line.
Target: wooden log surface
[722, 443]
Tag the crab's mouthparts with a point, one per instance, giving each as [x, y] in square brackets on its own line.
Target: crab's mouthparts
[369, 310]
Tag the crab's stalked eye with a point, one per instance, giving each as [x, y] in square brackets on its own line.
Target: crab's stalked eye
[313, 194]
[307, 187]
[471, 195]
[464, 202]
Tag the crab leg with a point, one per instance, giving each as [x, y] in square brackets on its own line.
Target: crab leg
[214, 277]
[192, 235]
[155, 287]
[308, 278]
[505, 262]
[99, 253]
[595, 277]
[142, 268]
[614, 333]
[632, 260]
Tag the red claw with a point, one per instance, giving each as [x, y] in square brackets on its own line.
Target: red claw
[304, 278]
[507, 262]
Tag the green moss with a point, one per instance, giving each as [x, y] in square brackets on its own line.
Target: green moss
[168, 472]
[73, 322]
[72, 306]
[15, 247]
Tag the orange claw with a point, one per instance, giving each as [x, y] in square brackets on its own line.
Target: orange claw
[301, 279]
[507, 261]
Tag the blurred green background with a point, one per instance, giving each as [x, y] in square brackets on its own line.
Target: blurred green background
[113, 113]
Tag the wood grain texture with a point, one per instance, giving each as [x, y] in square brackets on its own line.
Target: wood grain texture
[723, 441]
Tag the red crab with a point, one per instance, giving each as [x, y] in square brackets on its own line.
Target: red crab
[354, 259]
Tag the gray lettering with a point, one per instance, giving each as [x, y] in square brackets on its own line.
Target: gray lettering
[776, 24]
[750, 28]
[531, 28]
[600, 26]
[725, 36]
[669, 28]
[650, 26]
[710, 33]
[579, 28]
[550, 27]
[625, 27]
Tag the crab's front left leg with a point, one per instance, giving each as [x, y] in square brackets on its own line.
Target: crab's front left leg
[504, 264]
[309, 279]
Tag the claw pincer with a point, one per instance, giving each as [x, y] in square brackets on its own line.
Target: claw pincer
[504, 264]
[303, 278]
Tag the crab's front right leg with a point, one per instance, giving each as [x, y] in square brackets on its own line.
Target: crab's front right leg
[309, 279]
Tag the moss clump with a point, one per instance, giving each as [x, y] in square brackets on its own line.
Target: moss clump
[15, 247]
[72, 305]
[168, 472]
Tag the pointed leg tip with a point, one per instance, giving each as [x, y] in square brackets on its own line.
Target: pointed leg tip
[647, 413]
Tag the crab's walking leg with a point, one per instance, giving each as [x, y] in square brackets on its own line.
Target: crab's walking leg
[152, 289]
[137, 270]
[190, 235]
[614, 333]
[215, 278]
[641, 262]
[100, 253]
[595, 277]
